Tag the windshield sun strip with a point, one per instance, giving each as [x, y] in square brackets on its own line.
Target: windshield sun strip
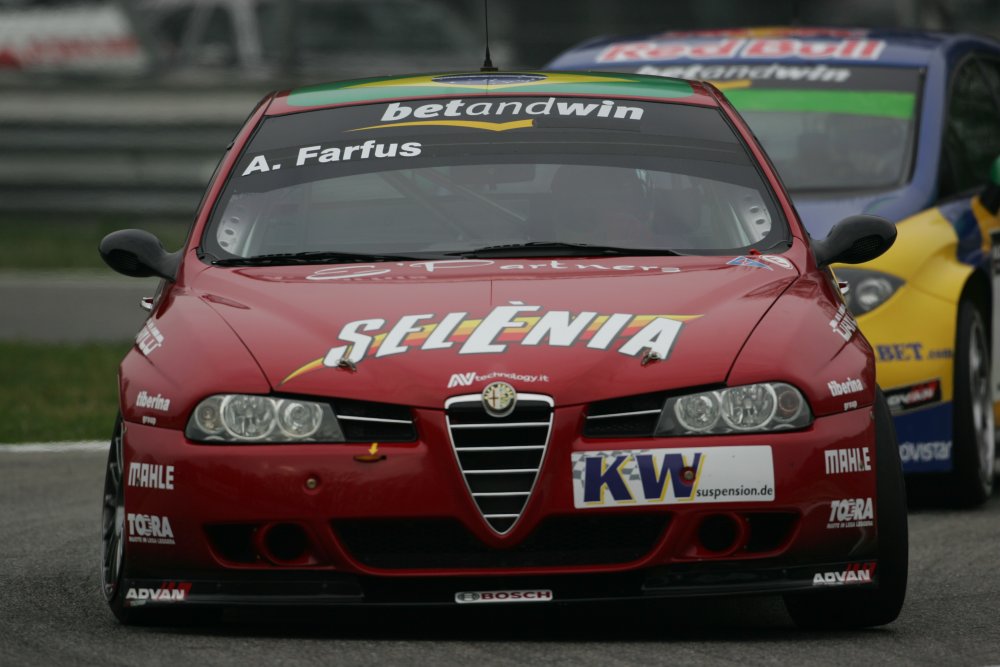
[731, 151]
[884, 104]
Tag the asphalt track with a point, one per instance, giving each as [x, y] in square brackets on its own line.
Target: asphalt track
[51, 611]
[71, 307]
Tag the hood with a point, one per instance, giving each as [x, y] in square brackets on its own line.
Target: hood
[820, 213]
[576, 329]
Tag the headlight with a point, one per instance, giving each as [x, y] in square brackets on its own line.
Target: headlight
[868, 289]
[249, 418]
[759, 408]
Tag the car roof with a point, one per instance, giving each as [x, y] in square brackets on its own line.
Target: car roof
[883, 46]
[472, 84]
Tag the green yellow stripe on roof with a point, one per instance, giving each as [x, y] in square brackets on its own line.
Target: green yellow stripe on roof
[374, 90]
[884, 104]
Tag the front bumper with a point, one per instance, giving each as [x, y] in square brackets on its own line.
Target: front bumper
[915, 353]
[393, 505]
[281, 589]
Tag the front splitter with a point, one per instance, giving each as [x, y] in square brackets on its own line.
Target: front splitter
[335, 589]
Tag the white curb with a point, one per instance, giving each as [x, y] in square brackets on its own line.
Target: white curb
[56, 447]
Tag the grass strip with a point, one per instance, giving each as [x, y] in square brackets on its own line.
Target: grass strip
[57, 245]
[58, 392]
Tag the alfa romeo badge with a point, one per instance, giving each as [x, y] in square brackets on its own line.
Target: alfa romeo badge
[499, 399]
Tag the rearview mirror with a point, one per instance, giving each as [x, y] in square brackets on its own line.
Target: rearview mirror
[139, 254]
[855, 240]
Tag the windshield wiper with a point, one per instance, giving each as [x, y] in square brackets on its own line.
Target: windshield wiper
[556, 249]
[312, 257]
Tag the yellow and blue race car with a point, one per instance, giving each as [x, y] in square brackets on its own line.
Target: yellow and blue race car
[901, 124]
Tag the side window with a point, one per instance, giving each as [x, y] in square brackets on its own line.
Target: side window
[991, 70]
[972, 132]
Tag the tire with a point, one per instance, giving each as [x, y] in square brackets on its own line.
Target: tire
[113, 529]
[847, 609]
[114, 553]
[973, 448]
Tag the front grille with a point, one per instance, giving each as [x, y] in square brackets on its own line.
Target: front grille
[366, 421]
[629, 417]
[500, 457]
[447, 544]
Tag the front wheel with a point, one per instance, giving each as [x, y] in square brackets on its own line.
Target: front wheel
[114, 552]
[113, 528]
[842, 609]
[973, 448]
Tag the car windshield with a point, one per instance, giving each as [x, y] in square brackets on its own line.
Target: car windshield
[461, 176]
[826, 128]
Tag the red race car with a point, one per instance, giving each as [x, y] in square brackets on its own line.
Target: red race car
[497, 338]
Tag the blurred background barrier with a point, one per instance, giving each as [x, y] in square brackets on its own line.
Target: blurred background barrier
[123, 108]
[89, 151]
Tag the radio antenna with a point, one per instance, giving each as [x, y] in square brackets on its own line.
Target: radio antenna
[488, 62]
[795, 13]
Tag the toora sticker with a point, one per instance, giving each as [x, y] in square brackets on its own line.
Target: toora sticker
[851, 513]
[149, 529]
[493, 333]
[672, 476]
